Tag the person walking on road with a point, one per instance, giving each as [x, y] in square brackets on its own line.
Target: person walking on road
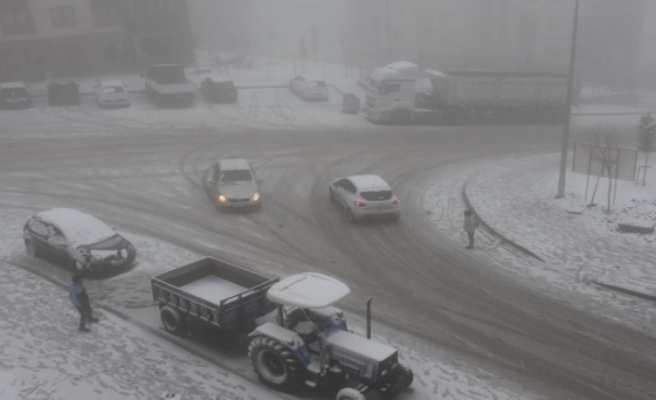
[80, 300]
[470, 225]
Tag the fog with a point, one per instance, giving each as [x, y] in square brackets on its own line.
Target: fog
[613, 47]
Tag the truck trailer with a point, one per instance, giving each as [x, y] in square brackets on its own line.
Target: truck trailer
[400, 93]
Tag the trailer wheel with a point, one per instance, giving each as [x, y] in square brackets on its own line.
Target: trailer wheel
[350, 394]
[274, 363]
[171, 320]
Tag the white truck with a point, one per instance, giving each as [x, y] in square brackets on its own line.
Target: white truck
[168, 84]
[401, 93]
[304, 342]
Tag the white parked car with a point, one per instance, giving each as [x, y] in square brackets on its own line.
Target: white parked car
[77, 240]
[112, 93]
[365, 196]
[234, 186]
[309, 89]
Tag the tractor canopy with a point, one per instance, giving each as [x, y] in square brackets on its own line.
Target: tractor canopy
[308, 290]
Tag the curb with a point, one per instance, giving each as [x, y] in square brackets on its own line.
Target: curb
[531, 254]
[625, 291]
[492, 230]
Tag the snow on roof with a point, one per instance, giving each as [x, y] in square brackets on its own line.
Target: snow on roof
[368, 181]
[435, 72]
[12, 85]
[79, 228]
[396, 70]
[308, 290]
[356, 344]
[234, 164]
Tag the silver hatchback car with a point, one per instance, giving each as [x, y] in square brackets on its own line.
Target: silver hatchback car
[365, 196]
[233, 185]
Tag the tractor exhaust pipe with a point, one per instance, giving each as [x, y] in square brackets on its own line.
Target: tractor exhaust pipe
[369, 317]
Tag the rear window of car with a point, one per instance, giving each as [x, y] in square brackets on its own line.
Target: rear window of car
[377, 195]
[316, 83]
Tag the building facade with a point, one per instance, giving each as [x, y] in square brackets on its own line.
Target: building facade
[54, 38]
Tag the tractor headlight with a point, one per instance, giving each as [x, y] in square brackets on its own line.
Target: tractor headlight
[222, 199]
[255, 197]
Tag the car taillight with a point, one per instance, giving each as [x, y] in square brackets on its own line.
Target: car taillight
[360, 204]
[397, 201]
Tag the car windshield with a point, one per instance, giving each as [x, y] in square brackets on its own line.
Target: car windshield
[234, 176]
[112, 89]
[316, 84]
[377, 195]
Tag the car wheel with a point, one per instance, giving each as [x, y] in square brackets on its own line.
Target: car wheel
[30, 248]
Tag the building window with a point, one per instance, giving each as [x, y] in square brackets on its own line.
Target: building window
[152, 8]
[63, 17]
[15, 18]
[107, 13]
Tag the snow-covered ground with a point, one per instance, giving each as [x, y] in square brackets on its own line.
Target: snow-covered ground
[44, 357]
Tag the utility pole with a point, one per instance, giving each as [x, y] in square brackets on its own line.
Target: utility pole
[389, 32]
[568, 107]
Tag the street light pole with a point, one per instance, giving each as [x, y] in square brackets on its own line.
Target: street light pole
[389, 32]
[568, 107]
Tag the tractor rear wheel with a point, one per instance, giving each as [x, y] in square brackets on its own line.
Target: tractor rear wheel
[274, 363]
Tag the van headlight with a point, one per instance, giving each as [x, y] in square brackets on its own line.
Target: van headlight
[255, 197]
[222, 199]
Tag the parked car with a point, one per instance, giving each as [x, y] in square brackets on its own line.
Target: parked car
[218, 91]
[14, 95]
[112, 93]
[365, 196]
[63, 93]
[309, 89]
[234, 186]
[78, 241]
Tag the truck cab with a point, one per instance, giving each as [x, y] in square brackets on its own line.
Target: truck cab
[391, 93]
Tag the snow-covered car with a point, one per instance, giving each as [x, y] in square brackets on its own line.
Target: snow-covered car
[233, 185]
[78, 241]
[309, 89]
[364, 196]
[14, 95]
[220, 90]
[112, 93]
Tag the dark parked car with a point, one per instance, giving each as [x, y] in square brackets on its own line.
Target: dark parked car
[63, 93]
[78, 241]
[219, 91]
[14, 95]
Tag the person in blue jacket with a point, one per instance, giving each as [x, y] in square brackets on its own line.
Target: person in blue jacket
[80, 300]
